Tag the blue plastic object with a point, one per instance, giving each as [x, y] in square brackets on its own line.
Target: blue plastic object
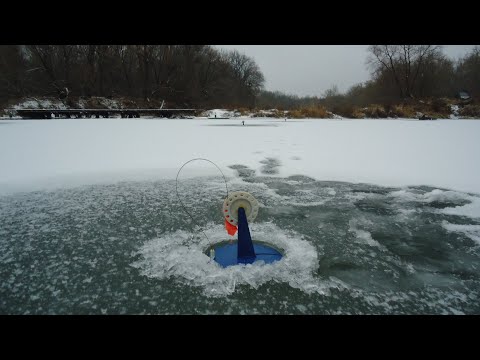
[226, 254]
[246, 252]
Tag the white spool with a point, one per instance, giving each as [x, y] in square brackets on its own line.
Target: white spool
[238, 199]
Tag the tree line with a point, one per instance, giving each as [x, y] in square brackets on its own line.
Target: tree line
[202, 76]
[399, 74]
[180, 75]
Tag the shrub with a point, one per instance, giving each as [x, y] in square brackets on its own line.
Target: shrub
[314, 111]
[347, 110]
[243, 111]
[72, 102]
[375, 111]
[470, 111]
[441, 105]
[318, 112]
[358, 113]
[295, 114]
[404, 111]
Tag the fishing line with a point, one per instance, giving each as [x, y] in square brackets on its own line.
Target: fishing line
[178, 196]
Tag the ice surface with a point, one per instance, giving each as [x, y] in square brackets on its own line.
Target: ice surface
[56, 153]
[129, 248]
[472, 231]
[408, 246]
[179, 255]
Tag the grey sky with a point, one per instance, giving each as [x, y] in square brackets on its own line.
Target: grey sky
[312, 69]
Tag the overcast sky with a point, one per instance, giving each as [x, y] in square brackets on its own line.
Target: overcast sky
[312, 69]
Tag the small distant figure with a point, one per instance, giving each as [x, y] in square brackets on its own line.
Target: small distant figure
[243, 122]
[215, 116]
[285, 119]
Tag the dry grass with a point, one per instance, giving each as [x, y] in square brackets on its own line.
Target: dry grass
[314, 112]
[441, 106]
[404, 111]
[375, 111]
[295, 114]
[472, 111]
[243, 111]
[358, 113]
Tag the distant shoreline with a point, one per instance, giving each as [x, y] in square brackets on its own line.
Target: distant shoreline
[441, 108]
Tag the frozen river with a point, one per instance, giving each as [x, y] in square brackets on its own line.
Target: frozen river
[373, 216]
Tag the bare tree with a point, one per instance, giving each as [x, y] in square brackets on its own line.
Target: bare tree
[126, 56]
[144, 54]
[89, 67]
[13, 71]
[403, 62]
[179, 74]
[248, 75]
[468, 72]
[47, 56]
[332, 92]
[67, 54]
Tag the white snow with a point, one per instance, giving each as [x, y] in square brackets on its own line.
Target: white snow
[37, 154]
[219, 113]
[471, 209]
[429, 197]
[34, 103]
[109, 103]
[179, 255]
[454, 109]
[363, 236]
[472, 231]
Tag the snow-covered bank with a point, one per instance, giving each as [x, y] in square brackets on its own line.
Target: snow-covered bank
[37, 154]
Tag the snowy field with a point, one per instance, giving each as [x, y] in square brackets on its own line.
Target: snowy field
[443, 153]
[374, 216]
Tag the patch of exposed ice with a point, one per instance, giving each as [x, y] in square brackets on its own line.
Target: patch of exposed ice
[471, 231]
